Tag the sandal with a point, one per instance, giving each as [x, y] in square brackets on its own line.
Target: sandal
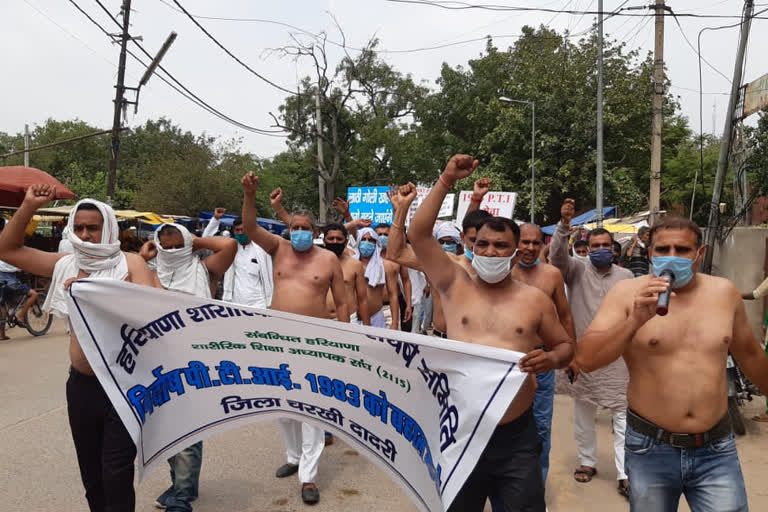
[584, 474]
[624, 489]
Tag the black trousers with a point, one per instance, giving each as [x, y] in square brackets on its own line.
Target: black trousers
[105, 450]
[509, 470]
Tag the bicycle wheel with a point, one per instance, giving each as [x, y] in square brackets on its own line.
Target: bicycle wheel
[38, 321]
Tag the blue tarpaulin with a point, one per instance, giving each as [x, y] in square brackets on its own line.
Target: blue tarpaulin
[609, 212]
[273, 226]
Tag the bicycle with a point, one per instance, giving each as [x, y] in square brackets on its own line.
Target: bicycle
[37, 321]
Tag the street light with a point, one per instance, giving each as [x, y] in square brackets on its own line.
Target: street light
[533, 147]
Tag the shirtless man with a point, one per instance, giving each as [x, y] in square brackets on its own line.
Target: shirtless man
[303, 275]
[529, 269]
[490, 308]
[105, 450]
[679, 438]
[335, 240]
[399, 274]
[380, 284]
[398, 251]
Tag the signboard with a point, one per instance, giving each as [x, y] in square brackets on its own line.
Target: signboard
[446, 209]
[370, 203]
[180, 368]
[756, 96]
[498, 204]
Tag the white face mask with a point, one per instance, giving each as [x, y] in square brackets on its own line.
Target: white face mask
[581, 258]
[491, 269]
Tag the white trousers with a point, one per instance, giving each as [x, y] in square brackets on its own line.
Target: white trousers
[303, 446]
[584, 419]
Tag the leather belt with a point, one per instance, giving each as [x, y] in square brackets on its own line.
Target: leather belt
[683, 441]
[439, 334]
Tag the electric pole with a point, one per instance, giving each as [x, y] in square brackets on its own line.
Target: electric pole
[725, 144]
[323, 203]
[119, 90]
[26, 145]
[599, 162]
[654, 204]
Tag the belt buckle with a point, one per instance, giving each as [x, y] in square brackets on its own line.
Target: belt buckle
[673, 437]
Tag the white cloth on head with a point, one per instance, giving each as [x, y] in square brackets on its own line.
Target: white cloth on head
[374, 272]
[104, 260]
[445, 230]
[180, 269]
[65, 245]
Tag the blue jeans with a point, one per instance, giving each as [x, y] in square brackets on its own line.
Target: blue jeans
[709, 477]
[185, 477]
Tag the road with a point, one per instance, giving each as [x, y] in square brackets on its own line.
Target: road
[39, 470]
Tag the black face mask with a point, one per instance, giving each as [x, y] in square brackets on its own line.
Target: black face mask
[336, 249]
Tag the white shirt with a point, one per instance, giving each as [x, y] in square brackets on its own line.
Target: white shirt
[249, 286]
[418, 283]
[7, 267]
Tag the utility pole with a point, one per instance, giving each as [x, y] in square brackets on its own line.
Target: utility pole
[599, 177]
[725, 144]
[323, 202]
[654, 204]
[119, 90]
[26, 145]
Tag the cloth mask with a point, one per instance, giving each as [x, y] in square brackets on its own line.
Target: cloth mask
[601, 258]
[366, 248]
[301, 241]
[468, 254]
[681, 268]
[583, 259]
[383, 239]
[337, 249]
[450, 247]
[491, 269]
[526, 265]
[242, 239]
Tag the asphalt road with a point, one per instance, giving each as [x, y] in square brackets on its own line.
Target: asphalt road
[38, 469]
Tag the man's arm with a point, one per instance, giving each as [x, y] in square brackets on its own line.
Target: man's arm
[563, 308]
[482, 186]
[139, 272]
[276, 199]
[758, 292]
[338, 291]
[435, 261]
[213, 225]
[392, 293]
[361, 292]
[616, 323]
[560, 346]
[12, 250]
[397, 251]
[224, 252]
[263, 238]
[558, 248]
[746, 348]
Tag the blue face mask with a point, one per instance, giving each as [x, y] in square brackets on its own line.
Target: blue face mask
[383, 239]
[301, 240]
[526, 265]
[451, 247]
[366, 248]
[601, 258]
[468, 254]
[681, 268]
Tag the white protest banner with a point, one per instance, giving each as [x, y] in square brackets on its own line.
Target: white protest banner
[179, 368]
[446, 209]
[498, 204]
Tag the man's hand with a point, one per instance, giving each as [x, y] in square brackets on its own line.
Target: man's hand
[459, 167]
[341, 206]
[748, 296]
[482, 187]
[362, 223]
[402, 197]
[250, 183]
[573, 371]
[39, 195]
[646, 299]
[218, 213]
[567, 212]
[407, 314]
[276, 198]
[148, 251]
[538, 361]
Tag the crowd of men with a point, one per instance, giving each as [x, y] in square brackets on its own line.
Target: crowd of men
[492, 283]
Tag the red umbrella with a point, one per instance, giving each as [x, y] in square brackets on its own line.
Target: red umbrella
[16, 179]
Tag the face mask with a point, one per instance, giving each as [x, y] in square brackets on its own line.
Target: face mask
[450, 247]
[366, 248]
[301, 240]
[601, 258]
[337, 249]
[491, 270]
[383, 239]
[526, 265]
[468, 254]
[681, 269]
[242, 239]
[581, 258]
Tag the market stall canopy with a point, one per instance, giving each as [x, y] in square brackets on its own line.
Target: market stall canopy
[16, 179]
[144, 217]
[584, 218]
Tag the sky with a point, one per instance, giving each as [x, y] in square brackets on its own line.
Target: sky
[57, 64]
